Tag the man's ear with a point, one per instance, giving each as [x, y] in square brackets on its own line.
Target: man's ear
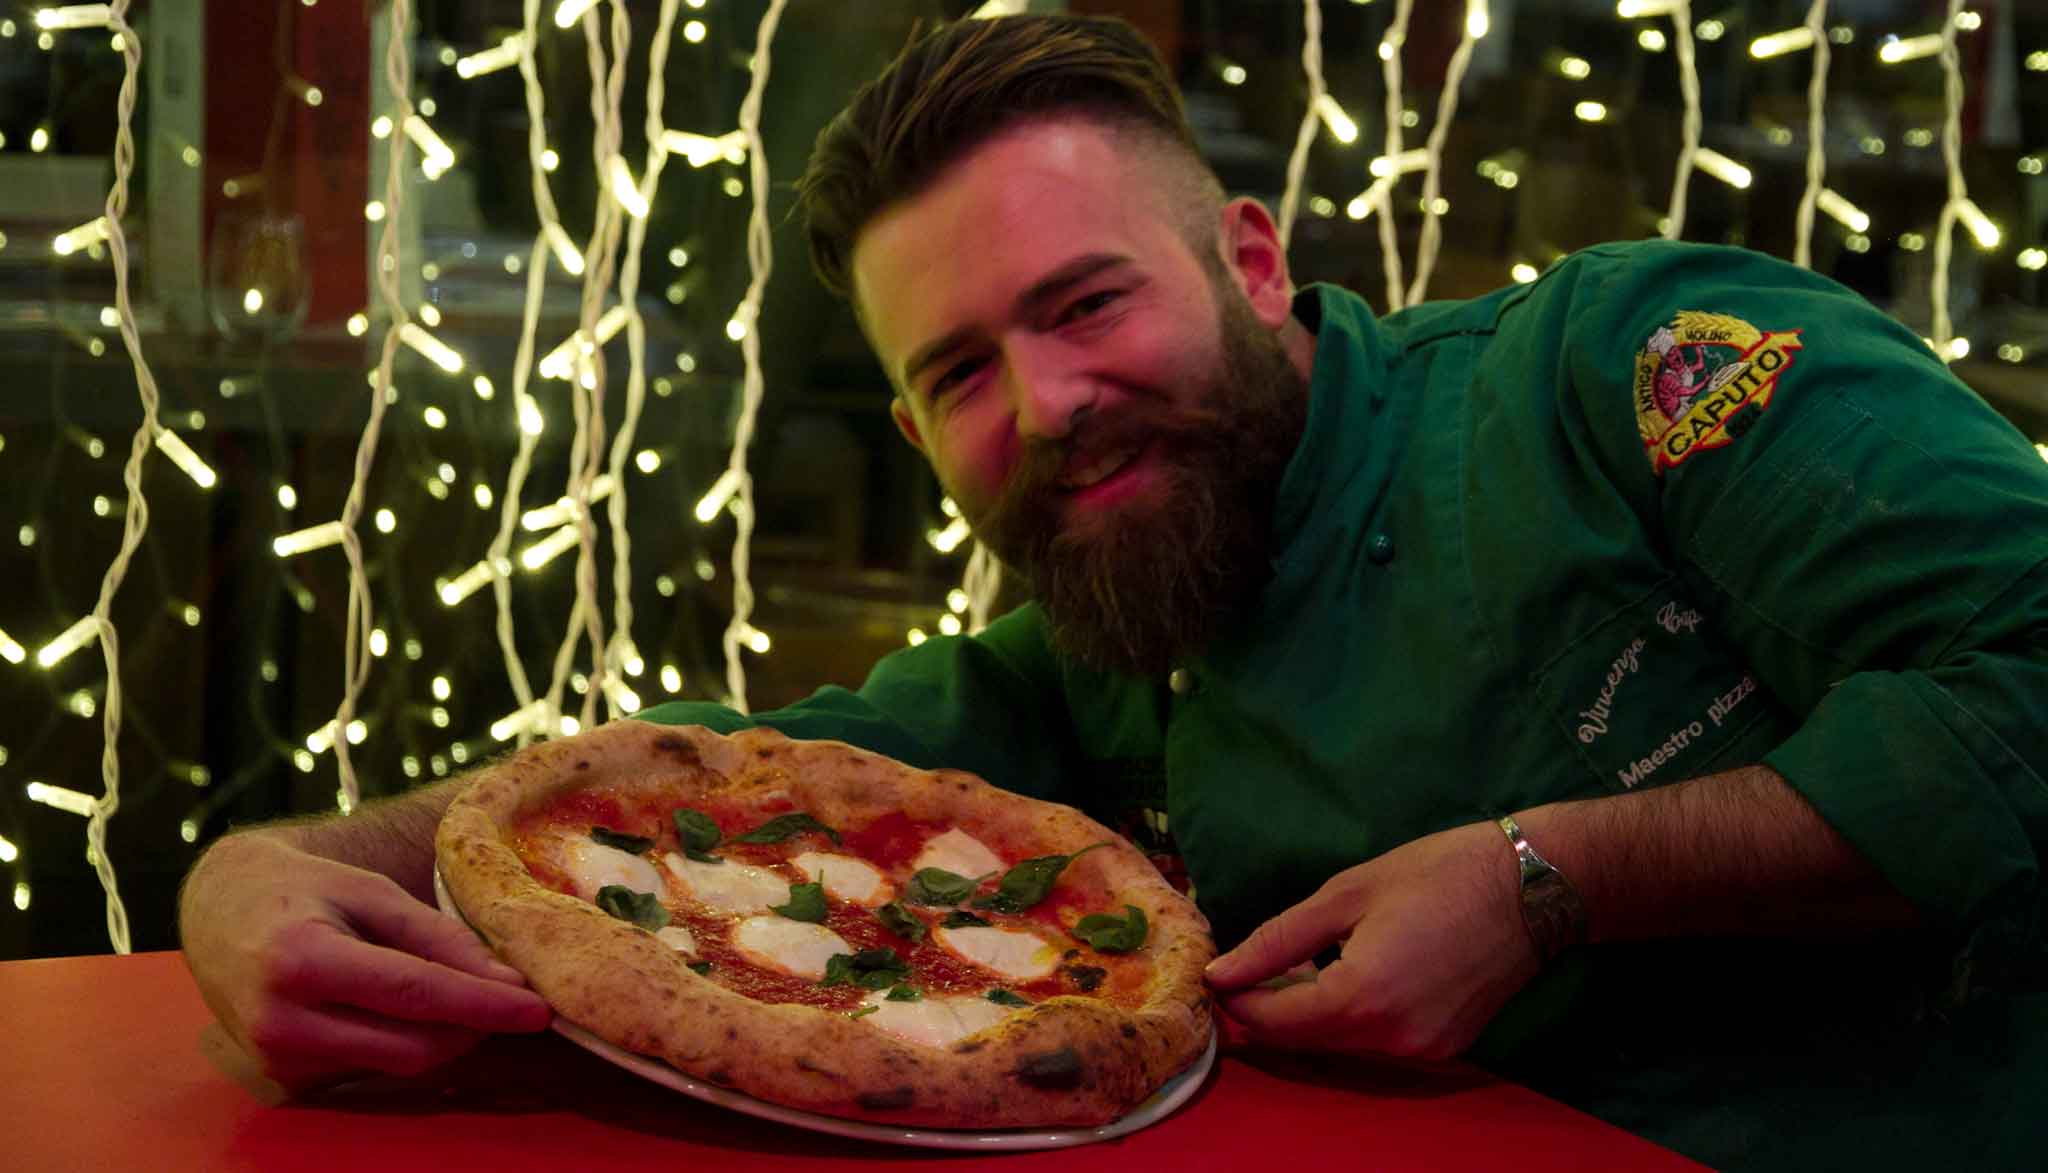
[1251, 248]
[906, 423]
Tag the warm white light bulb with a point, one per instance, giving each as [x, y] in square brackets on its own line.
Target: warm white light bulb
[1779, 43]
[1334, 116]
[1898, 49]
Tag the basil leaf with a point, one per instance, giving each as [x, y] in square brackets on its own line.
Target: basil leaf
[960, 918]
[901, 921]
[1031, 881]
[631, 844]
[905, 994]
[806, 903]
[1113, 934]
[864, 1011]
[1003, 997]
[700, 967]
[871, 969]
[640, 908]
[937, 886]
[699, 834]
[781, 827]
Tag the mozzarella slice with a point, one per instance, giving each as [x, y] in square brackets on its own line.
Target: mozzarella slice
[960, 853]
[679, 939]
[1013, 953]
[591, 865]
[729, 886]
[847, 878]
[792, 946]
[933, 1022]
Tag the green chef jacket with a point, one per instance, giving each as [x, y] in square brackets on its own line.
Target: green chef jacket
[1667, 510]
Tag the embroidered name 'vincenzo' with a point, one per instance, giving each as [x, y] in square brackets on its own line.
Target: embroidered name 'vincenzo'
[1701, 381]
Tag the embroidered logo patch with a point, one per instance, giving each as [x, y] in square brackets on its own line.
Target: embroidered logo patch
[1701, 380]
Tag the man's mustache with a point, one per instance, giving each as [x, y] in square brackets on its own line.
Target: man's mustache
[1026, 509]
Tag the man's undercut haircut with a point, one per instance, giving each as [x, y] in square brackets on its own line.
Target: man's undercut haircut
[962, 84]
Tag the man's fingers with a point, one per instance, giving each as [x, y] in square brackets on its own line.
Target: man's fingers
[331, 967]
[1313, 1013]
[387, 915]
[1287, 940]
[323, 1046]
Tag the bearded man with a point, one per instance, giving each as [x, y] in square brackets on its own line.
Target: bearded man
[1684, 759]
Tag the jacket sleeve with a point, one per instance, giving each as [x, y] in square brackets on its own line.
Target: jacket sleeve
[991, 704]
[1871, 535]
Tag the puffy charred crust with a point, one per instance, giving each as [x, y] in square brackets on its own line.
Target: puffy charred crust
[677, 747]
[1059, 1069]
[893, 1100]
[1069, 1060]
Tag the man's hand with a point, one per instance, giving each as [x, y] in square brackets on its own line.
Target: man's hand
[323, 971]
[1434, 945]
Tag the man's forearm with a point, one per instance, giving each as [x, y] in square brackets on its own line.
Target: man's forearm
[393, 836]
[1733, 853]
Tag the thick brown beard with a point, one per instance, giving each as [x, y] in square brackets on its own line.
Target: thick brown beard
[1140, 588]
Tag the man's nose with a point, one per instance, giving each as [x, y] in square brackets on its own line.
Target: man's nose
[1049, 401]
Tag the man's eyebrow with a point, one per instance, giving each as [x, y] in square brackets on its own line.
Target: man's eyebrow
[1047, 288]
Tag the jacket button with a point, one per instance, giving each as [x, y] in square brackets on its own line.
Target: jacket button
[1380, 550]
[1181, 681]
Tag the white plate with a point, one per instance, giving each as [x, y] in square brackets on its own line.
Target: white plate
[1172, 1095]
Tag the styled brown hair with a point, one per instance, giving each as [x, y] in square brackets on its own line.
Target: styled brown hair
[961, 84]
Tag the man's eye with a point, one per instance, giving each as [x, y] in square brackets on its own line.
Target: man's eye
[953, 375]
[1089, 305]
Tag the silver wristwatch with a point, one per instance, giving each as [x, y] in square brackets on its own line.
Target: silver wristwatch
[1551, 908]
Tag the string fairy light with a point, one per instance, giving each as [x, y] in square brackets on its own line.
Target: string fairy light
[1391, 50]
[564, 510]
[85, 236]
[981, 584]
[72, 638]
[586, 395]
[550, 236]
[1477, 22]
[503, 55]
[357, 626]
[1901, 49]
[1680, 12]
[1723, 168]
[136, 515]
[1297, 162]
[760, 263]
[1958, 190]
[615, 655]
[436, 155]
[78, 16]
[1815, 36]
[180, 453]
[700, 150]
[561, 362]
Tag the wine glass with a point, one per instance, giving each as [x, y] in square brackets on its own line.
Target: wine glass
[256, 285]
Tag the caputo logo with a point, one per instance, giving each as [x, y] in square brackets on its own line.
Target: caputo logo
[1702, 380]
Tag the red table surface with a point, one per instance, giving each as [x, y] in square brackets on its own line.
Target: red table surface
[102, 1067]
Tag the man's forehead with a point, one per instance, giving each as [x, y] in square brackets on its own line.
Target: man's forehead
[1014, 209]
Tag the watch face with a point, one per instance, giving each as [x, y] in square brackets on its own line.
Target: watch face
[1552, 910]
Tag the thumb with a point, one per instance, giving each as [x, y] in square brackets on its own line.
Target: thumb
[1287, 940]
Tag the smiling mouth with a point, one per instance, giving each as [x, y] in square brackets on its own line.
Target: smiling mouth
[1099, 467]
